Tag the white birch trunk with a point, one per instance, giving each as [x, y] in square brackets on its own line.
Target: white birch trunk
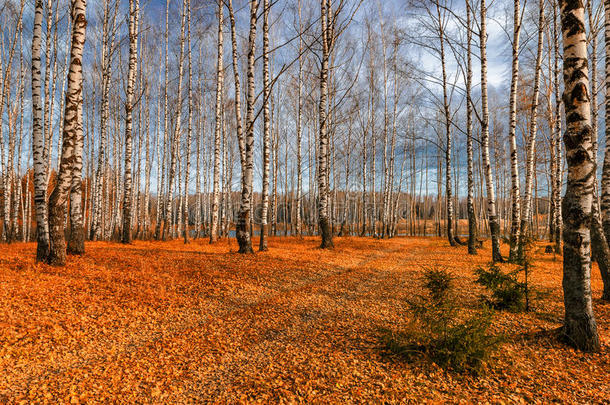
[73, 130]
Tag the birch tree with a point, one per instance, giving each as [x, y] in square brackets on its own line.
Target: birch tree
[580, 328]
[217, 128]
[175, 137]
[599, 243]
[189, 130]
[40, 174]
[494, 226]
[441, 24]
[134, 10]
[76, 239]
[7, 168]
[242, 228]
[108, 35]
[72, 131]
[530, 148]
[323, 138]
[299, 134]
[512, 135]
[266, 129]
[472, 225]
[605, 184]
[557, 221]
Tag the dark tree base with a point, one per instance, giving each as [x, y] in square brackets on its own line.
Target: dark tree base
[57, 234]
[76, 244]
[327, 236]
[496, 256]
[514, 256]
[42, 250]
[244, 241]
[57, 252]
[245, 250]
[262, 246]
[580, 334]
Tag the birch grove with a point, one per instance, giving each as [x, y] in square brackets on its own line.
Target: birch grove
[378, 164]
[339, 118]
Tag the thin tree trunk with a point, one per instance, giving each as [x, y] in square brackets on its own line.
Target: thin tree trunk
[557, 131]
[238, 119]
[323, 219]
[531, 139]
[217, 128]
[134, 10]
[599, 243]
[605, 185]
[299, 129]
[165, 201]
[19, 191]
[266, 129]
[514, 159]
[9, 168]
[447, 122]
[48, 98]
[98, 199]
[346, 191]
[472, 225]
[150, 156]
[200, 131]
[364, 171]
[494, 226]
[189, 133]
[177, 129]
[40, 175]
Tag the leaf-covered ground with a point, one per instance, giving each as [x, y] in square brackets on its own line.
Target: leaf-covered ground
[165, 322]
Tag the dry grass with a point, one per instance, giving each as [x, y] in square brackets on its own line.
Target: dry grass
[165, 322]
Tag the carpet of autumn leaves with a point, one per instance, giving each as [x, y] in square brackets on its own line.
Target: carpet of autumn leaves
[165, 322]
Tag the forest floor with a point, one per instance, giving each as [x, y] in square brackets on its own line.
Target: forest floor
[165, 322]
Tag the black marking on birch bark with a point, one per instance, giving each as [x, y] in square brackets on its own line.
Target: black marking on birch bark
[572, 25]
